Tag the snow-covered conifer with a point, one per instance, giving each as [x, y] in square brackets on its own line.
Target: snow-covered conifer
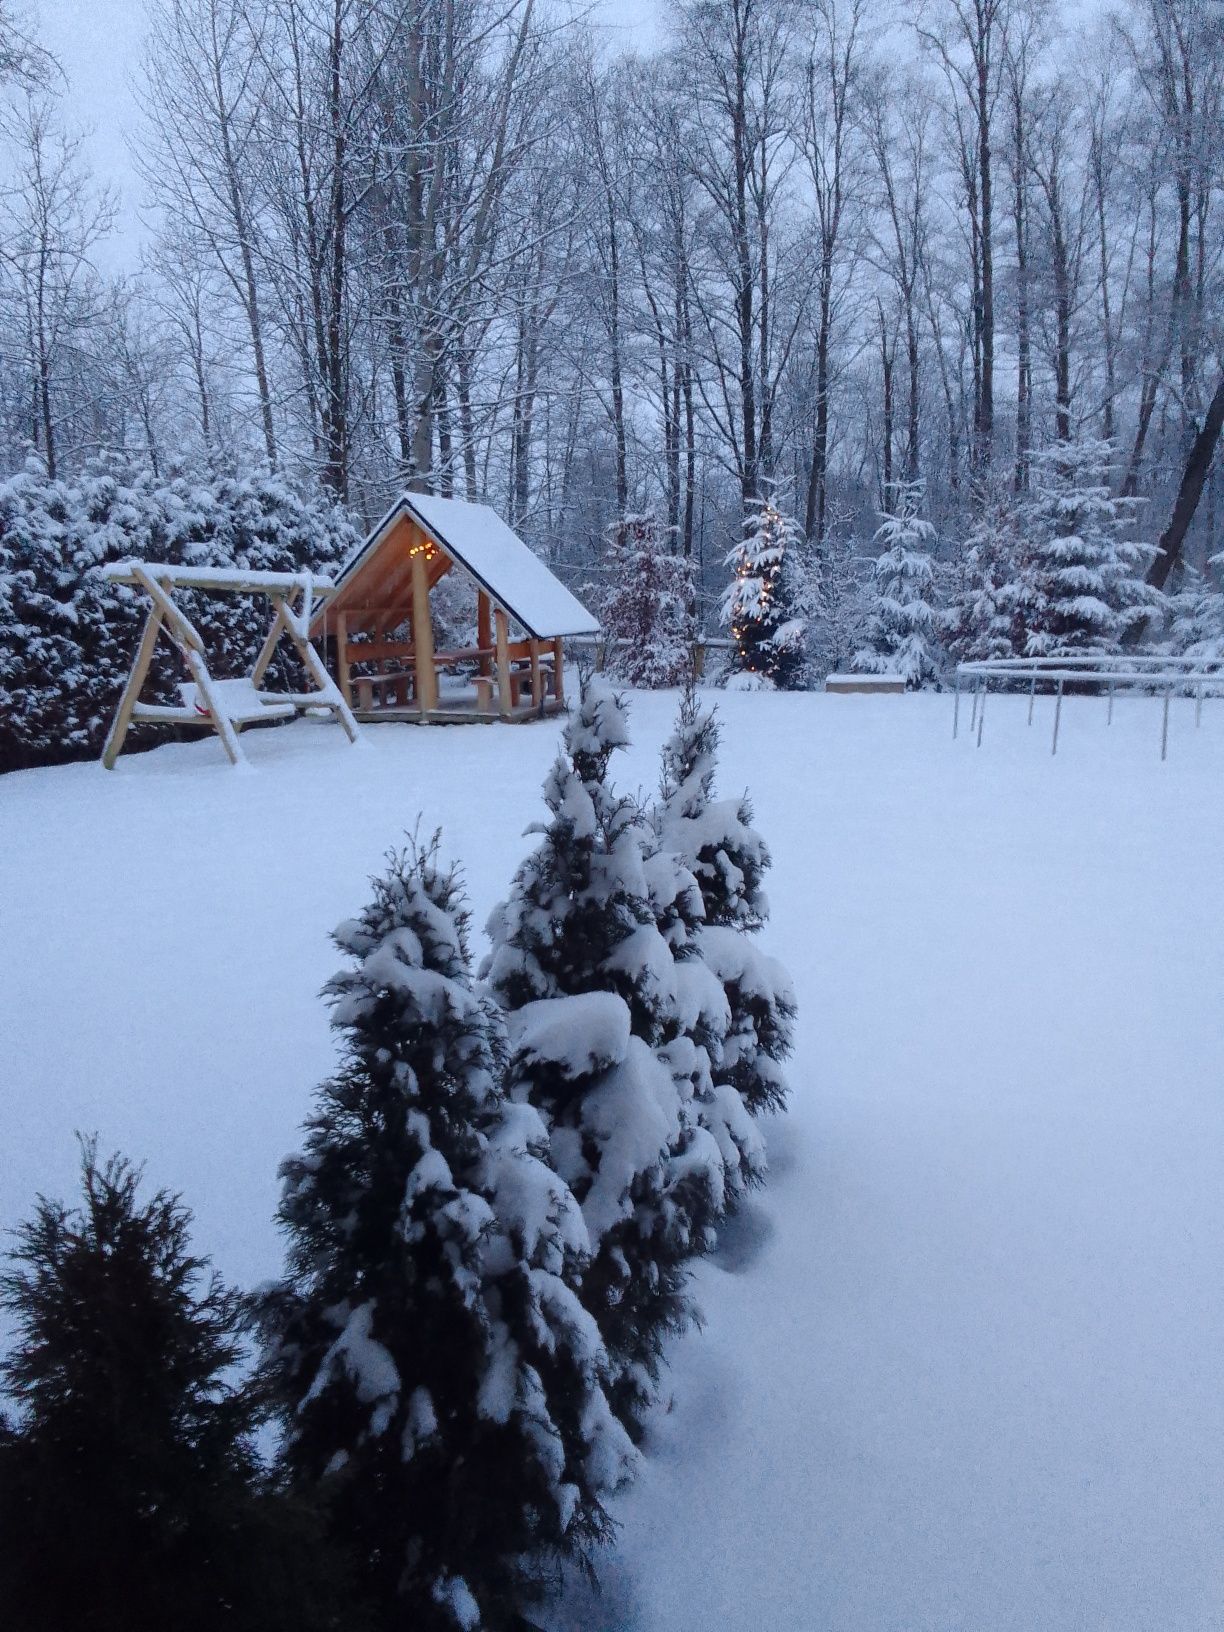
[761, 604]
[588, 983]
[647, 607]
[840, 624]
[1083, 583]
[983, 618]
[901, 628]
[441, 1382]
[131, 1495]
[1196, 619]
[716, 841]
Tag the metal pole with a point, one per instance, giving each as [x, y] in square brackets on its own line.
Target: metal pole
[1109, 716]
[956, 708]
[973, 711]
[981, 716]
[1032, 697]
[1164, 730]
[1057, 715]
[1198, 707]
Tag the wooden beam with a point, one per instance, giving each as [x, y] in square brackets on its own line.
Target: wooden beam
[558, 668]
[343, 674]
[178, 625]
[537, 683]
[422, 638]
[505, 702]
[297, 627]
[484, 629]
[140, 667]
[221, 723]
[269, 645]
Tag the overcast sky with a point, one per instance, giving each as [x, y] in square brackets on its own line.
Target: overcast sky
[98, 43]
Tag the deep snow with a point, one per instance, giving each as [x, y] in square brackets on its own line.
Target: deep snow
[962, 1363]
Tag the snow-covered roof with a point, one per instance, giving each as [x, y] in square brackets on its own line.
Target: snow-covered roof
[478, 540]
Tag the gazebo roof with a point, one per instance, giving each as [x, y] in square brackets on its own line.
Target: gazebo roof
[478, 540]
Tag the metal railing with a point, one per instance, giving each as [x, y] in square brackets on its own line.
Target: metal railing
[1105, 673]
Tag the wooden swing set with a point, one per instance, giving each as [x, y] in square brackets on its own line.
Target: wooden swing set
[223, 706]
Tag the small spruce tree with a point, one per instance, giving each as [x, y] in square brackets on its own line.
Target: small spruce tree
[984, 618]
[441, 1384]
[131, 1499]
[761, 604]
[647, 608]
[901, 628]
[716, 841]
[588, 984]
[1082, 586]
[1196, 619]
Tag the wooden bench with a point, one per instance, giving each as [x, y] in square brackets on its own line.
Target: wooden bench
[395, 689]
[867, 683]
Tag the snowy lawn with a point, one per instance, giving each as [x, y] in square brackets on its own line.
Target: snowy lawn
[963, 1362]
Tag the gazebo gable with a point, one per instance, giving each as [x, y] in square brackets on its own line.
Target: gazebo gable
[379, 616]
[472, 537]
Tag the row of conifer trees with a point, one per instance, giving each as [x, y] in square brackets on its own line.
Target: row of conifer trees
[490, 1227]
[1059, 567]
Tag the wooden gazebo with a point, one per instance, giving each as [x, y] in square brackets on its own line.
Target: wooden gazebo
[514, 669]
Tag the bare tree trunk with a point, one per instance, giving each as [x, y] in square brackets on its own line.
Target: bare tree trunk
[1097, 163]
[817, 491]
[614, 340]
[886, 367]
[1198, 464]
[243, 237]
[466, 427]
[690, 426]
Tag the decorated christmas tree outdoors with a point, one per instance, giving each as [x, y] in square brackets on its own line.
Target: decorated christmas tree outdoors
[762, 603]
[1083, 584]
[130, 1493]
[901, 624]
[647, 609]
[716, 841]
[588, 983]
[441, 1384]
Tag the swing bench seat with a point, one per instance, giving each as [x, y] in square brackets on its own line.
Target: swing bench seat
[240, 701]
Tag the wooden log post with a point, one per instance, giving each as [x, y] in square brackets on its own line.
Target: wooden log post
[343, 676]
[537, 682]
[270, 644]
[504, 702]
[484, 630]
[422, 637]
[297, 626]
[123, 714]
[558, 666]
[221, 724]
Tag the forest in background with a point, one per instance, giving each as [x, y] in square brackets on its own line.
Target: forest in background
[806, 247]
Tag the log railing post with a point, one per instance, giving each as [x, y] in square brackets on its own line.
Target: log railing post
[503, 665]
[422, 637]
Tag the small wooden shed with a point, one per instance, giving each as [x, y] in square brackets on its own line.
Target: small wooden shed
[378, 621]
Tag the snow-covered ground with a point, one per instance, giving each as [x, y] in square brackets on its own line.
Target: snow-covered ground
[962, 1363]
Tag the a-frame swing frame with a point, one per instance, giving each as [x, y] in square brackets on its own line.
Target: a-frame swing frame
[292, 595]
